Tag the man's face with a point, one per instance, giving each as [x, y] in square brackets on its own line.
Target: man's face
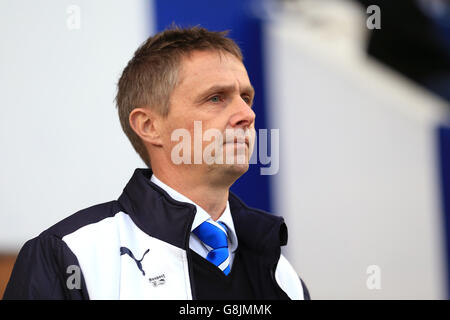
[213, 95]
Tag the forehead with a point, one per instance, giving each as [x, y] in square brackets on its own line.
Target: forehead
[200, 69]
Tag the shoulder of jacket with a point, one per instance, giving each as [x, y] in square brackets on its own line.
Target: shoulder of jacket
[82, 218]
[256, 213]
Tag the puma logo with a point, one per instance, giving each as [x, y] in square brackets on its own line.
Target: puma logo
[125, 250]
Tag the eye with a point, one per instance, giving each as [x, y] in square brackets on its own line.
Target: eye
[215, 99]
[247, 99]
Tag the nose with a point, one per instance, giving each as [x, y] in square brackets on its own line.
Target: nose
[243, 116]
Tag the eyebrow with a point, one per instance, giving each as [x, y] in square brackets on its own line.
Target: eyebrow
[225, 88]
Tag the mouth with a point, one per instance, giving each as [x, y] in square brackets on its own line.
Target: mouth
[238, 141]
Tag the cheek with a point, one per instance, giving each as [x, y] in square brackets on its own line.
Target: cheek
[252, 137]
[189, 132]
[174, 129]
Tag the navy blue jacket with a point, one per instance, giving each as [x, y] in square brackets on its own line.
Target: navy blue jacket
[137, 247]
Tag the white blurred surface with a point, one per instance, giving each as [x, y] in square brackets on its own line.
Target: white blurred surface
[62, 147]
[358, 181]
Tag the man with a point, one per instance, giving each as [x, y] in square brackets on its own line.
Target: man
[176, 232]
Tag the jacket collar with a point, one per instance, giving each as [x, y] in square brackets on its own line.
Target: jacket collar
[257, 229]
[159, 215]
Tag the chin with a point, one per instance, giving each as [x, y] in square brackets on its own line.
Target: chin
[235, 170]
[229, 172]
[242, 168]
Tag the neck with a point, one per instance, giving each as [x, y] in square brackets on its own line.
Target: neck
[212, 198]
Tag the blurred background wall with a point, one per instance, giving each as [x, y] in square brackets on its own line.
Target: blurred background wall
[61, 142]
[363, 141]
[359, 174]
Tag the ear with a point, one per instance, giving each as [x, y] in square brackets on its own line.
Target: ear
[145, 123]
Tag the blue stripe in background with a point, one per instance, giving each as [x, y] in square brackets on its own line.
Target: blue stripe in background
[246, 30]
[444, 157]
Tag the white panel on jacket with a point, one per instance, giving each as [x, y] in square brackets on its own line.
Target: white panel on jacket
[288, 279]
[120, 261]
